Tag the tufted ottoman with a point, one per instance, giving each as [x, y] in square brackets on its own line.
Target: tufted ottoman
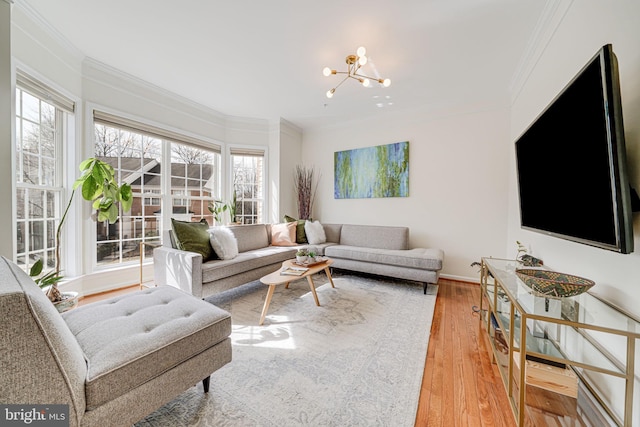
[149, 337]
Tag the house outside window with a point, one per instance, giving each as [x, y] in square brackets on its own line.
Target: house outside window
[135, 150]
[41, 115]
[137, 160]
[194, 182]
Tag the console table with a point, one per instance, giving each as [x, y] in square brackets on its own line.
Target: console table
[578, 352]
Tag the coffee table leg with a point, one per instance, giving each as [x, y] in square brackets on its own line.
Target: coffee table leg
[328, 273]
[313, 289]
[267, 301]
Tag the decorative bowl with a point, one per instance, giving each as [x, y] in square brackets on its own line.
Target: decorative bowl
[69, 301]
[553, 284]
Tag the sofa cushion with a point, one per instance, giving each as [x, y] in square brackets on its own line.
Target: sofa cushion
[315, 232]
[193, 237]
[131, 339]
[283, 234]
[375, 236]
[301, 235]
[246, 261]
[425, 259]
[224, 242]
[251, 236]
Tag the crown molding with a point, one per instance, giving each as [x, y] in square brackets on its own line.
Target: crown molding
[100, 67]
[42, 23]
[552, 16]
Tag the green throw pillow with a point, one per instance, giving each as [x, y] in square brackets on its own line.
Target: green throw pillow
[193, 237]
[301, 235]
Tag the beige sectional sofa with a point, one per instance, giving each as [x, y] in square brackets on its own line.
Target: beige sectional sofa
[380, 250]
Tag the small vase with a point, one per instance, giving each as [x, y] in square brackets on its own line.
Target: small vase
[301, 259]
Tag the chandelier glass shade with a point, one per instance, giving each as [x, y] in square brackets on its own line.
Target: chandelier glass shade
[354, 63]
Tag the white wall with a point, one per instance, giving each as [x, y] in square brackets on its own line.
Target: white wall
[290, 144]
[580, 29]
[585, 26]
[457, 181]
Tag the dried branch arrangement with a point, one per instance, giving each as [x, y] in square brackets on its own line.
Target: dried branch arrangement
[304, 185]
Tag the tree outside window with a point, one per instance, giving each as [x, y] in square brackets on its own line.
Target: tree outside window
[39, 135]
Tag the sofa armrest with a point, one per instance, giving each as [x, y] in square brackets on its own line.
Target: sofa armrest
[180, 269]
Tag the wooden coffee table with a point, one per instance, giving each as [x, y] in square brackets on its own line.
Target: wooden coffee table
[274, 279]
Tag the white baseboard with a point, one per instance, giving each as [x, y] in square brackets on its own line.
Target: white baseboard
[475, 279]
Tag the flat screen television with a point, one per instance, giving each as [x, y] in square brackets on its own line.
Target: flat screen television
[571, 162]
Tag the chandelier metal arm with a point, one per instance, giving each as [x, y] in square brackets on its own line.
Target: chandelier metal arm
[354, 63]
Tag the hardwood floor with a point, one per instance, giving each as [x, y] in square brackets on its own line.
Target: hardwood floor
[460, 387]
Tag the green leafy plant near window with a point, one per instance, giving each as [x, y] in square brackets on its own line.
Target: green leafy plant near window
[218, 208]
[99, 186]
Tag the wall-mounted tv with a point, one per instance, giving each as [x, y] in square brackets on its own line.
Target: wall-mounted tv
[571, 162]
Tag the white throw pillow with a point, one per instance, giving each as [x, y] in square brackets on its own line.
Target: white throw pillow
[315, 232]
[223, 242]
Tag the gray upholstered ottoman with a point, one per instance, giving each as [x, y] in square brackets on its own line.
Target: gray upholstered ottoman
[134, 339]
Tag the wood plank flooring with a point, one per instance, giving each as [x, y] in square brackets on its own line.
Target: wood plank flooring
[460, 386]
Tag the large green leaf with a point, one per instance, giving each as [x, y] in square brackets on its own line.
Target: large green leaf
[89, 187]
[36, 268]
[126, 197]
[86, 164]
[105, 203]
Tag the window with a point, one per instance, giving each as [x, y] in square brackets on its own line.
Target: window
[135, 150]
[137, 160]
[150, 200]
[248, 184]
[194, 182]
[41, 115]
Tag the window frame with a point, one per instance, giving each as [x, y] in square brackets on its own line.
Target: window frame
[63, 109]
[250, 151]
[168, 137]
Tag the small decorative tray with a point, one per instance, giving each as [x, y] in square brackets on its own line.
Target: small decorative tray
[553, 284]
[309, 264]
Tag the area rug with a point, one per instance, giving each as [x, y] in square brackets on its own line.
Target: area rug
[357, 360]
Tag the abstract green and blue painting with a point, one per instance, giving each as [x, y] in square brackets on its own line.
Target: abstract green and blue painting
[381, 171]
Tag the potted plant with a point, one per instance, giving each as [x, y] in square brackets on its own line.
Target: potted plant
[217, 208]
[99, 186]
[301, 256]
[311, 256]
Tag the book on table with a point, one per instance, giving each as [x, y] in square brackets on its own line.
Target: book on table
[293, 271]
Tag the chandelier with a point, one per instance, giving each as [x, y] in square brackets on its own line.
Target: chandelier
[354, 63]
